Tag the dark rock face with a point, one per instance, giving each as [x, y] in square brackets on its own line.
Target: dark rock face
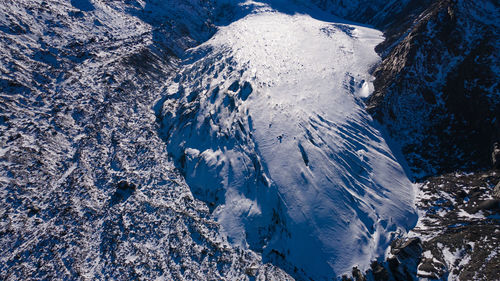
[437, 90]
[379, 272]
[496, 191]
[404, 250]
[492, 205]
[401, 264]
[495, 156]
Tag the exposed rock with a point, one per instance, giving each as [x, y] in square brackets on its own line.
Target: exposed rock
[123, 191]
[436, 90]
[459, 233]
[490, 205]
[252, 270]
[406, 249]
[405, 256]
[429, 268]
[379, 272]
[496, 191]
[495, 156]
[358, 275]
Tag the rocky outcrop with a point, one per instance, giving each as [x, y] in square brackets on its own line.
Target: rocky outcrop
[456, 236]
[458, 227]
[496, 191]
[495, 156]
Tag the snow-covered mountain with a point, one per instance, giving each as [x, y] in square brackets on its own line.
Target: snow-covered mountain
[267, 123]
[229, 140]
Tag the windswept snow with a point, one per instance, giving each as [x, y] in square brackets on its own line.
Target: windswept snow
[268, 124]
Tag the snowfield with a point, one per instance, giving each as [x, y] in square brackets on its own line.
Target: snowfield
[267, 123]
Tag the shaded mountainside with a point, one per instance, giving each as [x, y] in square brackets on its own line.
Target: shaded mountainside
[437, 93]
[437, 90]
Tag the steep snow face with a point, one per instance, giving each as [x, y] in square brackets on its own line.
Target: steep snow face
[268, 125]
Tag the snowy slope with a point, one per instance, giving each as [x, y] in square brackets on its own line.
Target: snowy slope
[268, 125]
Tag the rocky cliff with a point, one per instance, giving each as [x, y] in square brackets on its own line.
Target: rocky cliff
[437, 89]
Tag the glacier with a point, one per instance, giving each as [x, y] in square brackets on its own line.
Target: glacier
[266, 121]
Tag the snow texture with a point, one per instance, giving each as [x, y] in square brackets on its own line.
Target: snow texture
[267, 123]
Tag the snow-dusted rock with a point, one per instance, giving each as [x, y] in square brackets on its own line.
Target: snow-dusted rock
[77, 86]
[437, 89]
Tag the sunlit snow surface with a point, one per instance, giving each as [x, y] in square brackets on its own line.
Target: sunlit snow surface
[267, 122]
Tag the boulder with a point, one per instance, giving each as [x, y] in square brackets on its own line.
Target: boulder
[496, 191]
[490, 205]
[405, 249]
[495, 156]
